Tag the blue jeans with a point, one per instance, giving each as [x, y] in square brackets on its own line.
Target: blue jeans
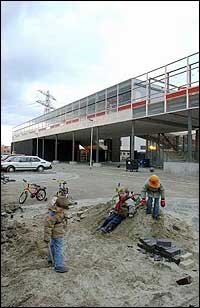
[112, 222]
[56, 245]
[155, 207]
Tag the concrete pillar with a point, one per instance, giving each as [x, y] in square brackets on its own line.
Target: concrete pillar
[197, 144]
[13, 148]
[147, 146]
[73, 146]
[37, 146]
[177, 143]
[108, 143]
[43, 148]
[183, 144]
[97, 144]
[189, 154]
[56, 147]
[132, 140]
[116, 143]
[158, 151]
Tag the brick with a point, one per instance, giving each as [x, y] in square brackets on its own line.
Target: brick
[186, 264]
[185, 280]
[168, 251]
[148, 243]
[186, 256]
[164, 242]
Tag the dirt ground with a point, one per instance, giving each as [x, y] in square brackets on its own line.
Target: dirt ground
[104, 270]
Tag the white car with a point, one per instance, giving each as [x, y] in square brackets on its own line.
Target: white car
[25, 162]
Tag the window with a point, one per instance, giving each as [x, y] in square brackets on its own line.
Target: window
[124, 86]
[91, 104]
[24, 159]
[125, 98]
[34, 159]
[83, 104]
[112, 104]
[112, 91]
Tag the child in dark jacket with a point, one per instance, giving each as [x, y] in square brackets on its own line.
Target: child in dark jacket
[54, 229]
[119, 213]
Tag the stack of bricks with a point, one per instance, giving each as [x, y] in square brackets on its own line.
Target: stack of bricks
[164, 248]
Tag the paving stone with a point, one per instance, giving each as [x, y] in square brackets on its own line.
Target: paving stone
[186, 256]
[164, 242]
[187, 264]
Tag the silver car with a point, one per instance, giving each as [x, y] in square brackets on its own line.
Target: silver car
[25, 162]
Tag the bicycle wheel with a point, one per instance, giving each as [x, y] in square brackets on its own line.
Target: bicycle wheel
[23, 197]
[41, 194]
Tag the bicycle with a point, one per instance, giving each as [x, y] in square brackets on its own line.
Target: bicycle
[34, 190]
[5, 179]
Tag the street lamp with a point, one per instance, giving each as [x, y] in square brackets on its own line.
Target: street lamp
[91, 137]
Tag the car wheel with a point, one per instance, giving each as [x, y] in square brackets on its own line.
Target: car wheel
[11, 169]
[40, 169]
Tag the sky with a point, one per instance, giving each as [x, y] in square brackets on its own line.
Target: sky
[76, 48]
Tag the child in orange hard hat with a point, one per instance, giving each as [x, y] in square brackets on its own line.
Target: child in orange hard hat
[154, 190]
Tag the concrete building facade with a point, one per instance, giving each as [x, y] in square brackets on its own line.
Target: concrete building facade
[150, 106]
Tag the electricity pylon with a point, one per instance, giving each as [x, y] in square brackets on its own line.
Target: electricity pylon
[46, 103]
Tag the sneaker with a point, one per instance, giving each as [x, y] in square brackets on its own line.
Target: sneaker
[50, 263]
[155, 217]
[103, 230]
[61, 269]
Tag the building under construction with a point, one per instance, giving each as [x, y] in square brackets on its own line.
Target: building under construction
[160, 106]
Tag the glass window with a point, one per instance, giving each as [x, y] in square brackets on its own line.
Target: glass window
[76, 109]
[24, 159]
[112, 104]
[100, 106]
[91, 104]
[34, 159]
[125, 86]
[125, 98]
[100, 96]
[83, 104]
[112, 91]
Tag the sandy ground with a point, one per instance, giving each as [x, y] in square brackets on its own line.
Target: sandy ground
[104, 270]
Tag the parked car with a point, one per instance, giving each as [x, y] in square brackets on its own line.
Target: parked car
[5, 156]
[25, 162]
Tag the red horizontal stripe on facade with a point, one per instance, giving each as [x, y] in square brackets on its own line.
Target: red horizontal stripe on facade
[138, 104]
[124, 107]
[52, 126]
[42, 128]
[68, 122]
[176, 94]
[75, 120]
[100, 114]
[91, 116]
[194, 89]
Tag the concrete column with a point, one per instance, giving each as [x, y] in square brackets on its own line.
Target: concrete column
[183, 148]
[37, 146]
[97, 144]
[13, 148]
[43, 148]
[116, 143]
[147, 146]
[197, 144]
[158, 151]
[73, 146]
[189, 154]
[56, 147]
[132, 140]
[177, 143]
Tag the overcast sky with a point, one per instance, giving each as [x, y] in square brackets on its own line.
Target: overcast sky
[76, 48]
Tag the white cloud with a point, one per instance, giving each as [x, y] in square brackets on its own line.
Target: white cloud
[76, 48]
[6, 135]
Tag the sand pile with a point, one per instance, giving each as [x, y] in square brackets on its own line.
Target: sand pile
[104, 270]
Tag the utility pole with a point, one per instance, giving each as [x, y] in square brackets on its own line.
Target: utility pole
[46, 103]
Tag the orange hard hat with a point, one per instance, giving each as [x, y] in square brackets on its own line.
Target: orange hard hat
[154, 181]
